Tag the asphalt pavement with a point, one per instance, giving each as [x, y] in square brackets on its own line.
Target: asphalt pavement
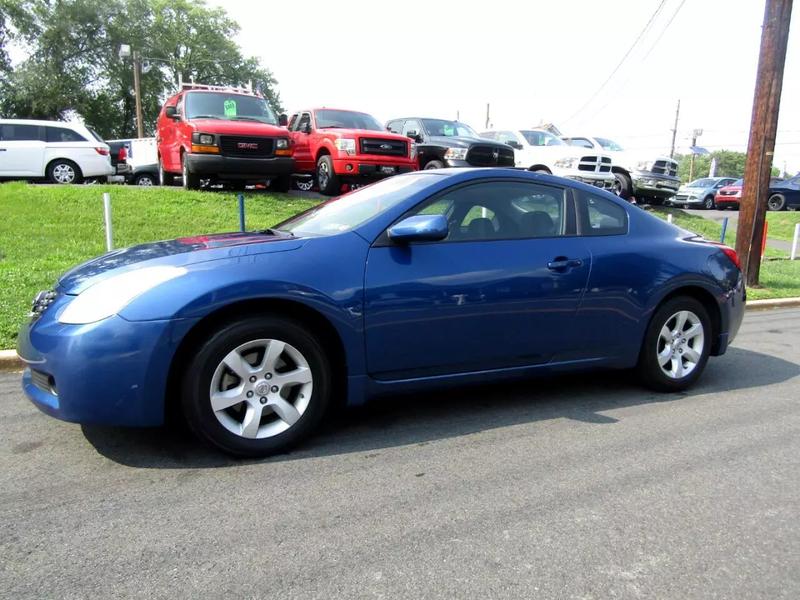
[574, 487]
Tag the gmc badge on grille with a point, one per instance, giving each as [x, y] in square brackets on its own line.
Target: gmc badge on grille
[247, 146]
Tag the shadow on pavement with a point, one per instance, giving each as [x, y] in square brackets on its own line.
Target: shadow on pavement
[405, 420]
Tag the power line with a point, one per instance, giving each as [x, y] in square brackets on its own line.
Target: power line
[663, 31]
[624, 58]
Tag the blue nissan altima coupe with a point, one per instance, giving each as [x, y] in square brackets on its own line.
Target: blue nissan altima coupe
[429, 279]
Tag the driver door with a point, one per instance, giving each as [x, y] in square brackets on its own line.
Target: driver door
[500, 291]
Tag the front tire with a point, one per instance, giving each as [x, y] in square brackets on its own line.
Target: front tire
[145, 179]
[623, 186]
[191, 181]
[63, 171]
[327, 180]
[164, 178]
[776, 202]
[676, 345]
[708, 203]
[257, 386]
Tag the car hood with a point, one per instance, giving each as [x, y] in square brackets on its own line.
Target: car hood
[227, 126]
[463, 141]
[177, 253]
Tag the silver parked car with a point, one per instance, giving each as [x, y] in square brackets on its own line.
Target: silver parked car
[699, 193]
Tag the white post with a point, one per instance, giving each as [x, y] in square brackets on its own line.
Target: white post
[669, 218]
[795, 240]
[107, 216]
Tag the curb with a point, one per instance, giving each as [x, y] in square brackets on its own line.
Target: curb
[9, 361]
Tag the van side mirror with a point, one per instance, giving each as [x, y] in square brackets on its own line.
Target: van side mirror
[171, 112]
[283, 119]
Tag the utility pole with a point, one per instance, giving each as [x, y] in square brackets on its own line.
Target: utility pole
[763, 129]
[695, 134]
[487, 116]
[675, 129]
[137, 91]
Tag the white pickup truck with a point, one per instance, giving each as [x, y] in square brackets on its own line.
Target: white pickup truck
[540, 150]
[650, 179]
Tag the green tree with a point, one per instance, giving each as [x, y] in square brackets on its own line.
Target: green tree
[73, 59]
[729, 164]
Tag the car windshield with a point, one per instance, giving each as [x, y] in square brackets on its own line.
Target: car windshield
[738, 182]
[234, 107]
[445, 128]
[351, 210]
[536, 137]
[346, 119]
[608, 144]
[702, 183]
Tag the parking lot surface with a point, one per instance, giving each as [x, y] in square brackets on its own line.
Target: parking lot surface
[575, 487]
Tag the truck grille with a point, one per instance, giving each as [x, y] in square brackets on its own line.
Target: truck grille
[490, 156]
[596, 164]
[383, 147]
[252, 147]
[666, 167]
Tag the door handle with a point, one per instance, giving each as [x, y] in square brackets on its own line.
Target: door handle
[562, 263]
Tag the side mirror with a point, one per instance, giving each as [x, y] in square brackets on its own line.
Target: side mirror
[306, 128]
[414, 135]
[419, 228]
[515, 145]
[283, 119]
[171, 112]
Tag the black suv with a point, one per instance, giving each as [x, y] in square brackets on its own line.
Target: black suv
[442, 143]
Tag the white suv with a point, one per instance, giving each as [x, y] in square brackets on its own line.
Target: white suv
[61, 152]
[539, 150]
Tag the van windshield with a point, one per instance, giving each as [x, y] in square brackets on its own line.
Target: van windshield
[233, 107]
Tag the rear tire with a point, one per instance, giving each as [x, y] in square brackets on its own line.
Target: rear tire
[776, 202]
[164, 178]
[63, 171]
[676, 345]
[145, 179]
[327, 180]
[266, 416]
[191, 181]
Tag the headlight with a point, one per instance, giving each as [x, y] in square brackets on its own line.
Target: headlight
[413, 151]
[204, 139]
[346, 145]
[110, 296]
[281, 143]
[566, 163]
[456, 154]
[645, 165]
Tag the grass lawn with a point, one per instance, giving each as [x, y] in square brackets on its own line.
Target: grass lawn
[44, 230]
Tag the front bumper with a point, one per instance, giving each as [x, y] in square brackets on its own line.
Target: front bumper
[235, 167]
[112, 372]
[659, 186]
[731, 200]
[684, 201]
[371, 169]
[604, 181]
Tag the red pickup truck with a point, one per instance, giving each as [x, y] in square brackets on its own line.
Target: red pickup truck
[345, 146]
[222, 135]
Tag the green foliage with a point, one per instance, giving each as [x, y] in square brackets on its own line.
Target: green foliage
[729, 164]
[73, 59]
[47, 229]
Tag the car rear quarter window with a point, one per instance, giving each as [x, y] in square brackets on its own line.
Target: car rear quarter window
[20, 133]
[600, 216]
[62, 134]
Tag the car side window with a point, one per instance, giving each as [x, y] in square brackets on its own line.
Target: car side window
[501, 211]
[599, 216]
[20, 133]
[292, 122]
[395, 126]
[305, 119]
[61, 134]
[581, 142]
[412, 125]
[506, 137]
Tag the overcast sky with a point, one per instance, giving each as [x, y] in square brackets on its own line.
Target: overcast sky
[533, 61]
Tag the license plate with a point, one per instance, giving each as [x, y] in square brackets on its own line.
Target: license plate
[387, 170]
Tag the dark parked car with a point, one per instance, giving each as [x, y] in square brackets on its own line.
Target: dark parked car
[731, 195]
[119, 155]
[784, 194]
[442, 143]
[423, 280]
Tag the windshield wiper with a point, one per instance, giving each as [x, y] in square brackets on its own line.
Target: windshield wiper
[205, 117]
[240, 118]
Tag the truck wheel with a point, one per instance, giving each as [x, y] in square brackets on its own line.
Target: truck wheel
[164, 178]
[327, 179]
[191, 181]
[145, 179]
[623, 186]
[708, 203]
[434, 164]
[281, 184]
[776, 202]
[62, 170]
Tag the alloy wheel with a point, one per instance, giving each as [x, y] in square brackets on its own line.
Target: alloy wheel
[261, 388]
[145, 180]
[680, 344]
[322, 175]
[63, 173]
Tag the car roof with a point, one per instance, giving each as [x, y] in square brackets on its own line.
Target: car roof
[42, 123]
